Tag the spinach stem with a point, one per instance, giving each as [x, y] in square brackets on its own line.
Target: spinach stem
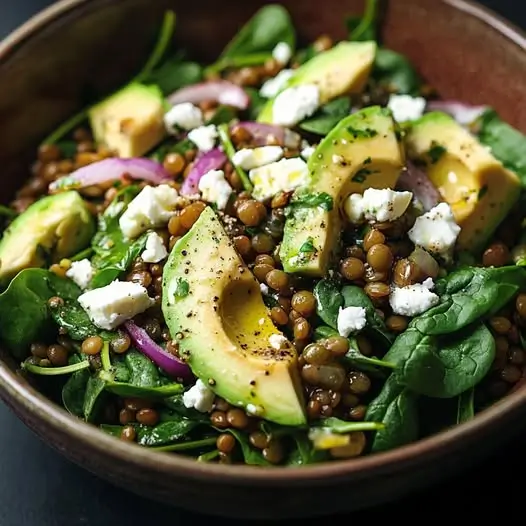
[356, 426]
[369, 17]
[86, 253]
[251, 59]
[224, 137]
[163, 41]
[7, 212]
[205, 457]
[55, 371]
[105, 356]
[187, 445]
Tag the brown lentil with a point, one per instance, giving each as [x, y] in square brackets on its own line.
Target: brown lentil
[136, 404]
[45, 362]
[322, 43]
[327, 376]
[396, 323]
[500, 324]
[175, 228]
[174, 163]
[273, 453]
[359, 383]
[502, 344]
[263, 243]
[364, 345]
[218, 419]
[128, 434]
[380, 257]
[126, 416]
[277, 280]
[373, 237]
[190, 214]
[280, 200]
[48, 153]
[142, 277]
[377, 290]
[261, 271]
[337, 345]
[259, 439]
[147, 417]
[316, 354]
[517, 356]
[240, 135]
[301, 329]
[355, 251]
[496, 255]
[352, 268]
[243, 245]
[226, 443]
[279, 316]
[121, 343]
[520, 305]
[358, 412]
[92, 345]
[237, 418]
[57, 355]
[405, 273]
[304, 302]
[251, 212]
[39, 350]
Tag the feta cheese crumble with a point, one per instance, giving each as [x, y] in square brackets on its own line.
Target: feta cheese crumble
[413, 299]
[154, 251]
[307, 152]
[264, 289]
[351, 320]
[277, 341]
[215, 188]
[295, 104]
[204, 137]
[248, 158]
[255, 410]
[436, 231]
[406, 108]
[274, 85]
[110, 306]
[152, 207]
[185, 116]
[81, 272]
[377, 205]
[282, 53]
[199, 397]
[281, 176]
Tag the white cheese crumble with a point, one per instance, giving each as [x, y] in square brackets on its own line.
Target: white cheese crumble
[307, 152]
[377, 205]
[185, 116]
[282, 53]
[154, 250]
[255, 410]
[215, 188]
[152, 207]
[109, 306]
[204, 137]
[413, 299]
[277, 341]
[436, 231]
[295, 104]
[248, 158]
[199, 397]
[281, 176]
[264, 289]
[274, 85]
[81, 272]
[406, 108]
[351, 320]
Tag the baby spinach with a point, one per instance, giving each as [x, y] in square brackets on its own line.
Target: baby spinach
[255, 41]
[198, 445]
[466, 406]
[327, 117]
[396, 407]
[395, 72]
[355, 357]
[363, 28]
[302, 451]
[175, 73]
[93, 398]
[251, 455]
[75, 388]
[328, 301]
[507, 144]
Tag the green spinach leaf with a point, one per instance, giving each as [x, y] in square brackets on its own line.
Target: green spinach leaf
[328, 301]
[327, 117]
[93, 399]
[251, 455]
[175, 73]
[466, 406]
[74, 389]
[363, 28]
[395, 72]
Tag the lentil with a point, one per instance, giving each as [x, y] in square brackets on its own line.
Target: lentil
[147, 417]
[92, 345]
[352, 268]
[226, 443]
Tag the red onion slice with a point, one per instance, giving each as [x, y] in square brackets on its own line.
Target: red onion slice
[112, 169]
[166, 361]
[211, 160]
[463, 113]
[416, 180]
[260, 132]
[222, 91]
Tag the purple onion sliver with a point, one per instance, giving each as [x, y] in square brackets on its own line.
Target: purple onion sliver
[166, 361]
[464, 114]
[416, 181]
[221, 91]
[212, 160]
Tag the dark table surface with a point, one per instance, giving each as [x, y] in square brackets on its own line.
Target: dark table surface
[40, 488]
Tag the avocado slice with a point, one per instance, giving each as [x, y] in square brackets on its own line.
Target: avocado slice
[479, 189]
[130, 122]
[362, 151]
[52, 228]
[343, 69]
[213, 306]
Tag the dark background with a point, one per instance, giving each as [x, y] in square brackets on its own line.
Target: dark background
[40, 488]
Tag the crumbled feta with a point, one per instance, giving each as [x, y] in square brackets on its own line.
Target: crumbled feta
[295, 104]
[277, 341]
[154, 250]
[199, 397]
[255, 410]
[350, 320]
[214, 188]
[436, 231]
[249, 158]
[307, 152]
[204, 137]
[274, 85]
[406, 108]
[284, 175]
[264, 289]
[109, 306]
[81, 273]
[184, 115]
[282, 53]
[413, 299]
[152, 207]
[377, 205]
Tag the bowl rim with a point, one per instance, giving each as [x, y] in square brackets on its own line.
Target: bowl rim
[17, 392]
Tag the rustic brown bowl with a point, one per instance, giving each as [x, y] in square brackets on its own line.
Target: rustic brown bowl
[80, 47]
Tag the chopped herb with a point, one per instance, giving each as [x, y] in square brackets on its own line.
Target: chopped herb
[308, 246]
[361, 175]
[322, 200]
[366, 133]
[436, 152]
[182, 289]
[483, 191]
[367, 161]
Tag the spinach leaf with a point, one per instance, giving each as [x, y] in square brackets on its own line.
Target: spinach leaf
[143, 372]
[355, 297]
[507, 144]
[129, 390]
[302, 451]
[257, 38]
[175, 73]
[68, 149]
[223, 115]
[335, 425]
[328, 301]
[322, 332]
[251, 455]
[466, 406]
[395, 72]
[396, 407]
[74, 389]
[305, 54]
[24, 303]
[93, 398]
[356, 358]
[364, 28]
[327, 117]
[175, 404]
[256, 103]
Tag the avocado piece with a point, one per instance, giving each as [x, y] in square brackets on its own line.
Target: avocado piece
[343, 69]
[130, 122]
[52, 228]
[213, 307]
[479, 189]
[362, 151]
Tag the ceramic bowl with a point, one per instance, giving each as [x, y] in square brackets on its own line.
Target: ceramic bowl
[80, 47]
